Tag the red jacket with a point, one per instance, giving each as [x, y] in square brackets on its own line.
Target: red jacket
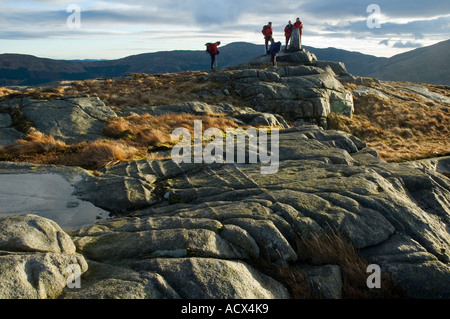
[299, 25]
[288, 30]
[267, 31]
[213, 48]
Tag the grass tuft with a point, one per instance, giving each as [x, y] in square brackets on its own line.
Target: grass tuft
[35, 143]
[333, 249]
[101, 154]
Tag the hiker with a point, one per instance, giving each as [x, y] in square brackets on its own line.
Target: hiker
[267, 31]
[213, 51]
[299, 25]
[275, 48]
[288, 33]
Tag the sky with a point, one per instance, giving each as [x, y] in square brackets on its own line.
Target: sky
[113, 29]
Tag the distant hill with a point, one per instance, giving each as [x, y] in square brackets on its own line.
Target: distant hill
[17, 69]
[428, 64]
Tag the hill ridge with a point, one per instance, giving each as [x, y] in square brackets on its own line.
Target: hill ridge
[30, 70]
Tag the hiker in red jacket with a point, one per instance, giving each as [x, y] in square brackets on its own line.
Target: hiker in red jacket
[288, 33]
[299, 25]
[213, 51]
[267, 31]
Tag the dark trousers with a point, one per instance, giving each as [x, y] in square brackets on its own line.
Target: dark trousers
[287, 41]
[274, 60]
[267, 43]
[213, 60]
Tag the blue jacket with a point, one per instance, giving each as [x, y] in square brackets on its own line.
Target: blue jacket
[275, 48]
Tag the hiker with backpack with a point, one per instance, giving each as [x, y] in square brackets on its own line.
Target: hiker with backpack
[275, 48]
[288, 33]
[212, 49]
[267, 31]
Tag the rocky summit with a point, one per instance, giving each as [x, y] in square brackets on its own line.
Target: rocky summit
[154, 228]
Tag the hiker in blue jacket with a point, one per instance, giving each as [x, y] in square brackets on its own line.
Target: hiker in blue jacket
[275, 48]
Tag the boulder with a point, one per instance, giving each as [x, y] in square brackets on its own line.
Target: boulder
[299, 92]
[37, 275]
[37, 258]
[411, 267]
[338, 68]
[117, 194]
[31, 233]
[71, 120]
[269, 239]
[425, 92]
[300, 57]
[193, 279]
[263, 119]
[156, 243]
[9, 135]
[105, 281]
[5, 120]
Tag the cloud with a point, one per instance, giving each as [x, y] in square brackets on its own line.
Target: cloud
[208, 12]
[350, 9]
[401, 44]
[418, 29]
[410, 21]
[408, 44]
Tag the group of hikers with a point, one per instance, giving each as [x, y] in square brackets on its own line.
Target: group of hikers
[273, 48]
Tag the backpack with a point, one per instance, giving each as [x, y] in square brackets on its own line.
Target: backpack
[208, 47]
[266, 30]
[275, 48]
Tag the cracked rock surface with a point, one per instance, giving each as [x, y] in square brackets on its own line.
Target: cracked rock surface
[191, 230]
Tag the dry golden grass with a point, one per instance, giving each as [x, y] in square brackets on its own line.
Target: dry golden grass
[35, 143]
[132, 138]
[399, 130]
[100, 154]
[4, 92]
[138, 90]
[155, 131]
[38, 148]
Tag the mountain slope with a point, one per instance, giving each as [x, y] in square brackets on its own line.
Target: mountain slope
[427, 65]
[17, 69]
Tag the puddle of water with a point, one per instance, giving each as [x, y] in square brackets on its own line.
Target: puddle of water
[49, 196]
